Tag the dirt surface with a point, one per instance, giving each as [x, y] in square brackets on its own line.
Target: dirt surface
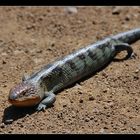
[31, 37]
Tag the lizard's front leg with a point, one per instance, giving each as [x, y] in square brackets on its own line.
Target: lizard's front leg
[48, 101]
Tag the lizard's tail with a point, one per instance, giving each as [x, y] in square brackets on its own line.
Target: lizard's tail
[129, 36]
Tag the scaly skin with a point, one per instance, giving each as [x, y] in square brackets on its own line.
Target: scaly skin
[39, 88]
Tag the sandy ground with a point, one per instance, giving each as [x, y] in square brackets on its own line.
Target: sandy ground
[107, 102]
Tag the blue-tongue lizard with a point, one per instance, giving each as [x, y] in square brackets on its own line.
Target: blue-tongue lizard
[40, 88]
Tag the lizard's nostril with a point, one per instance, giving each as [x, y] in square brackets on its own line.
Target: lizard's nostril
[13, 96]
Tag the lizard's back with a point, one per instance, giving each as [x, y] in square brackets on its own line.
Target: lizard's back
[75, 66]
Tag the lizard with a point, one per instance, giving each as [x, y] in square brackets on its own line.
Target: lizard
[40, 88]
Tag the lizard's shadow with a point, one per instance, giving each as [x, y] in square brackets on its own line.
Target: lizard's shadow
[12, 113]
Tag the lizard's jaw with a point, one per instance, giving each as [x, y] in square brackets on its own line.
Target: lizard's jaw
[24, 94]
[25, 102]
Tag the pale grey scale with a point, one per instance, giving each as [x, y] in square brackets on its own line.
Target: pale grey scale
[100, 54]
[107, 51]
[67, 74]
[88, 62]
[79, 65]
[129, 36]
[67, 69]
[58, 86]
[52, 83]
[71, 73]
[103, 57]
[56, 81]
[65, 78]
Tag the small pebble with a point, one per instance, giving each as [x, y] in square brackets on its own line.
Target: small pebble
[105, 127]
[116, 11]
[134, 128]
[80, 92]
[9, 121]
[71, 9]
[4, 54]
[2, 125]
[93, 22]
[38, 60]
[78, 86]
[4, 85]
[137, 70]
[105, 90]
[91, 118]
[111, 104]
[91, 98]
[27, 115]
[50, 48]
[9, 131]
[87, 119]
[81, 101]
[101, 130]
[64, 105]
[104, 74]
[105, 107]
[3, 62]
[136, 77]
[127, 18]
[95, 110]
[66, 90]
[21, 125]
[39, 51]
[53, 44]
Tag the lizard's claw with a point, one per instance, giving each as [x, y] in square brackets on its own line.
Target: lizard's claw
[133, 55]
[41, 107]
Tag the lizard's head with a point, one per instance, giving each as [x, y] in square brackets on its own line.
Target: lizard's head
[24, 94]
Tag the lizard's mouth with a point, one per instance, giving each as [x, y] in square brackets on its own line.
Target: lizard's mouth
[23, 95]
[25, 102]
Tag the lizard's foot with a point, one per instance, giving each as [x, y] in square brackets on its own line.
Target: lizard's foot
[47, 102]
[41, 107]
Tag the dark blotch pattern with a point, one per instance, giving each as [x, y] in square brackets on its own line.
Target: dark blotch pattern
[92, 55]
[71, 64]
[82, 56]
[57, 70]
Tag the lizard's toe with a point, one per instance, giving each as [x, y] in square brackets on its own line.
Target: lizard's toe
[133, 55]
[41, 107]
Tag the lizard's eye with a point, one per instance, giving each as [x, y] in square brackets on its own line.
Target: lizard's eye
[23, 93]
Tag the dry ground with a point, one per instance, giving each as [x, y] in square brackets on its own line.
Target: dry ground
[31, 37]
